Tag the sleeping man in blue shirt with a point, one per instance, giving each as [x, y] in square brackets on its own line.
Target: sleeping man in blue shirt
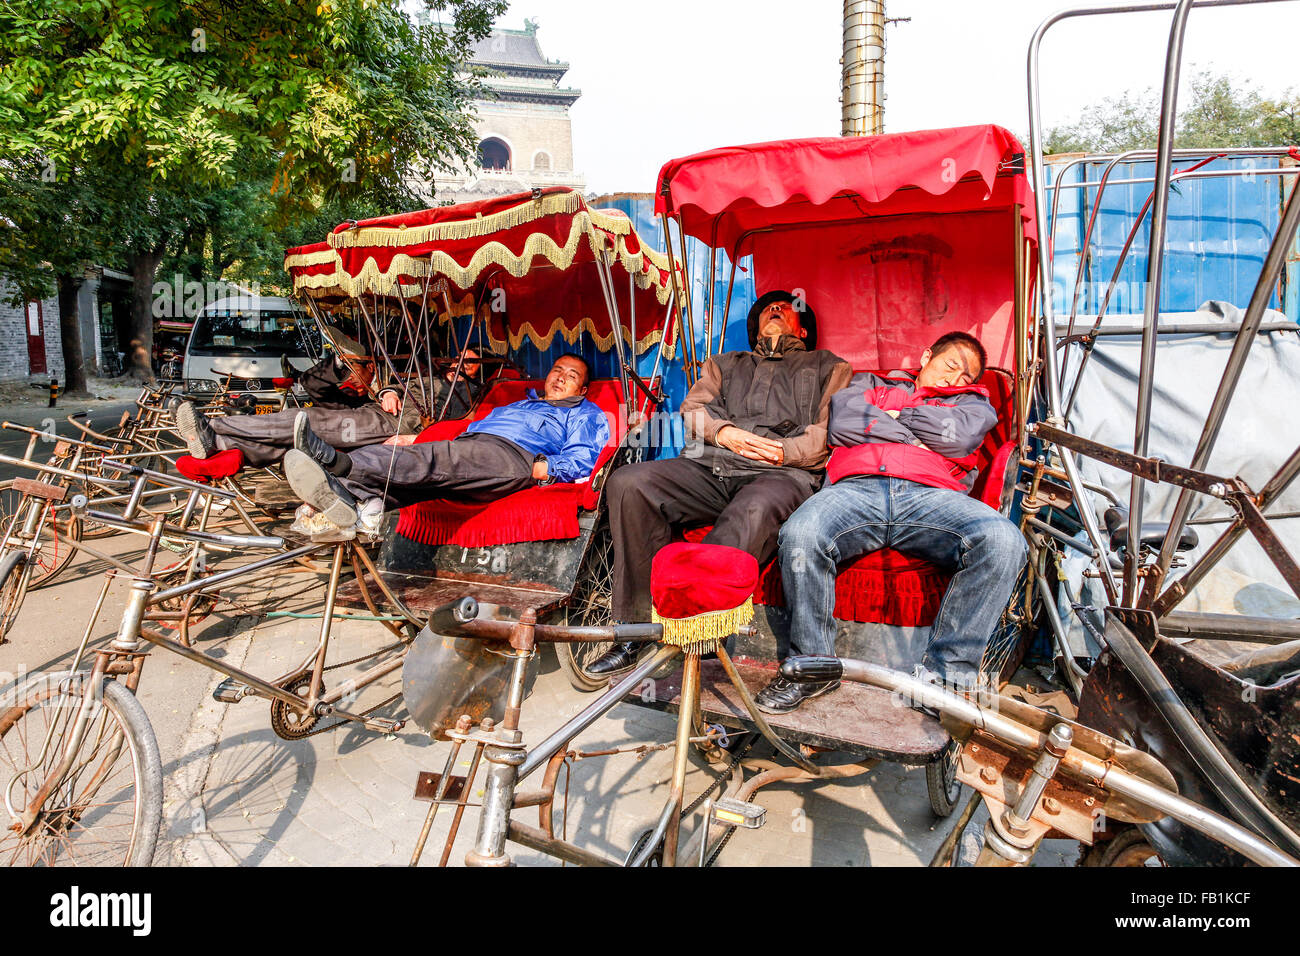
[556, 436]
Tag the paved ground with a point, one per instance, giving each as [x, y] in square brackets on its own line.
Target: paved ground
[239, 795]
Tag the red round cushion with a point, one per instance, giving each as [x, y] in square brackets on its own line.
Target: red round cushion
[689, 579]
[282, 383]
[221, 465]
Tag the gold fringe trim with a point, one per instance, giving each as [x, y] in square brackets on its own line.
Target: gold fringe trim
[702, 633]
[371, 279]
[317, 258]
[529, 210]
[542, 340]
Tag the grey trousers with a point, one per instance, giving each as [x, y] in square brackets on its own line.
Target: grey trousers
[646, 501]
[265, 438]
[469, 468]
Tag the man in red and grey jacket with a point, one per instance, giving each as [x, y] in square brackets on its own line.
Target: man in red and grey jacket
[900, 473]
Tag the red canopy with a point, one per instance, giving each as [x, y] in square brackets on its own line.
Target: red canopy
[527, 262]
[893, 240]
[315, 270]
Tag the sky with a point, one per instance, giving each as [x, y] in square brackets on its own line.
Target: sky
[674, 77]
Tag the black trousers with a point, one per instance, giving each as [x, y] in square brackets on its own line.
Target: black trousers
[265, 438]
[645, 502]
[469, 468]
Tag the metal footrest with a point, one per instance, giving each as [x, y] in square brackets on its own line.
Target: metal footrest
[738, 813]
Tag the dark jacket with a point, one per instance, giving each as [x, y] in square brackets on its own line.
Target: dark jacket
[409, 422]
[932, 441]
[782, 394]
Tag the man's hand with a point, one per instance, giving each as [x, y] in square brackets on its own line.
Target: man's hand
[539, 471]
[391, 403]
[751, 446]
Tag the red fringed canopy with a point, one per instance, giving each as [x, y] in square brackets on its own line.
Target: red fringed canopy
[525, 262]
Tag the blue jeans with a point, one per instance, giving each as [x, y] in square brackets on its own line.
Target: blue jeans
[858, 515]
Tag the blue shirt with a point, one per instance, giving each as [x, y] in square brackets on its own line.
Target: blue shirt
[570, 436]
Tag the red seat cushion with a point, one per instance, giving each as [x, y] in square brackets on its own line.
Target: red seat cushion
[687, 579]
[223, 464]
[535, 514]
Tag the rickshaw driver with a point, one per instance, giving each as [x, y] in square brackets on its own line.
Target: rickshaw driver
[757, 423]
[900, 472]
[541, 439]
[342, 410]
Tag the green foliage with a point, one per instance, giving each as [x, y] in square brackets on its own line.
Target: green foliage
[131, 130]
[1214, 111]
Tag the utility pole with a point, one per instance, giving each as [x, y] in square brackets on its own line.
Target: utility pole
[862, 87]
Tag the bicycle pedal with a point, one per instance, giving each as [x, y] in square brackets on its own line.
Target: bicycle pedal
[231, 691]
[383, 724]
[738, 813]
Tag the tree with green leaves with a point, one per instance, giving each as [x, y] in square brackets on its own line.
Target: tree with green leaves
[189, 120]
[1215, 111]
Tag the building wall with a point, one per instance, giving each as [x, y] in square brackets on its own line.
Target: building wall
[14, 363]
[528, 128]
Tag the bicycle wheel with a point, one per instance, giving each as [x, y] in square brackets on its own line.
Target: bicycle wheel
[14, 574]
[107, 810]
[590, 607]
[941, 781]
[54, 549]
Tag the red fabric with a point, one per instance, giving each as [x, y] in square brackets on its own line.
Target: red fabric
[221, 465]
[535, 514]
[689, 579]
[884, 587]
[282, 383]
[720, 194]
[884, 290]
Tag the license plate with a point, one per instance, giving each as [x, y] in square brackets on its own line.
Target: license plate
[263, 409]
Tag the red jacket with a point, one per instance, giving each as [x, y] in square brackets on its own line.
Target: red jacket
[933, 440]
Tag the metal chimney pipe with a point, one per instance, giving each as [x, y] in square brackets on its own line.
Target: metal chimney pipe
[862, 100]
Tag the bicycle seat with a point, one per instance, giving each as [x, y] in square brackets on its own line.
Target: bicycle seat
[223, 464]
[1152, 534]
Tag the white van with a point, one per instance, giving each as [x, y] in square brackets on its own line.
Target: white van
[245, 336]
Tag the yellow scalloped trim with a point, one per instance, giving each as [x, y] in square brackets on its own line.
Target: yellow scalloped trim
[527, 211]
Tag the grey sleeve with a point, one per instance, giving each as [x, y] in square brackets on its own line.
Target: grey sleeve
[952, 428]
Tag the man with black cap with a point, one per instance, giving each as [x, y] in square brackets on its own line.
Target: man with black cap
[756, 428]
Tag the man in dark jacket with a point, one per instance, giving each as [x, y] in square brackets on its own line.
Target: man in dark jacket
[756, 422]
[343, 412]
[539, 440]
[901, 469]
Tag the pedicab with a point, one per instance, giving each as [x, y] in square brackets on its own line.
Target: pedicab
[1184, 649]
[522, 278]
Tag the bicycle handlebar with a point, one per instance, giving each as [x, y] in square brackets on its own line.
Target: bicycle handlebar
[477, 620]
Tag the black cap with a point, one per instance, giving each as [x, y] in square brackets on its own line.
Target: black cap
[807, 317]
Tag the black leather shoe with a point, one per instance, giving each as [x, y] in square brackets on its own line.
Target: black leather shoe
[316, 486]
[317, 449]
[617, 658]
[783, 696]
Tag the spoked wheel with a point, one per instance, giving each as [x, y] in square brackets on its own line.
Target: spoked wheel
[590, 607]
[14, 575]
[54, 550]
[107, 808]
[941, 781]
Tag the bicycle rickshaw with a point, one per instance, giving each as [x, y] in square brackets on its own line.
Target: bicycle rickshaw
[937, 226]
[1150, 442]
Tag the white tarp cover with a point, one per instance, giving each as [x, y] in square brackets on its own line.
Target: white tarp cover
[1261, 429]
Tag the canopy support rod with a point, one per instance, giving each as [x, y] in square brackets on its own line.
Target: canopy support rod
[1274, 262]
[726, 307]
[1155, 266]
[680, 305]
[384, 352]
[616, 327]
